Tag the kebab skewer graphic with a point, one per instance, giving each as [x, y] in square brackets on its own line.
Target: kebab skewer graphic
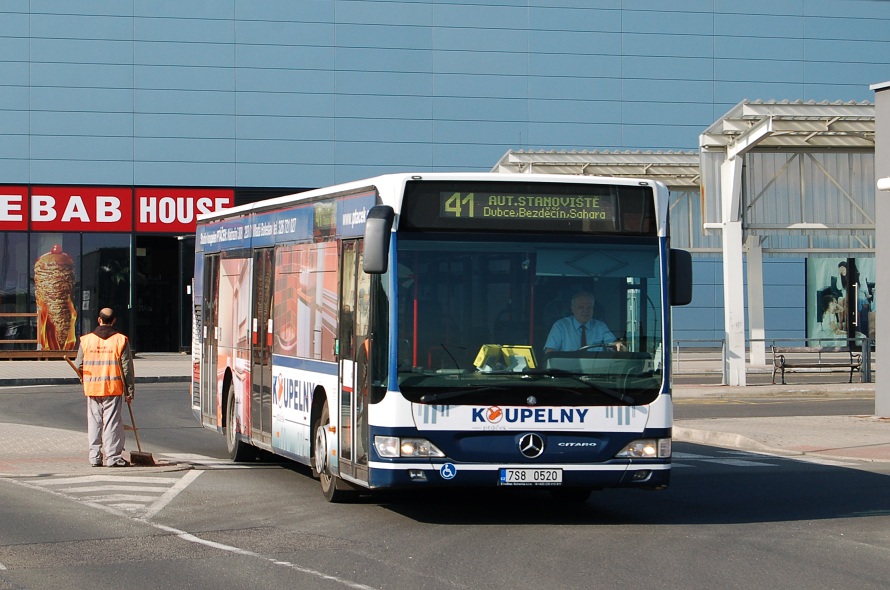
[54, 290]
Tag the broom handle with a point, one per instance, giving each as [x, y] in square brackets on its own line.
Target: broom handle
[76, 370]
[133, 422]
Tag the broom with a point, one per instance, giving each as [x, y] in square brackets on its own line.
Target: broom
[136, 457]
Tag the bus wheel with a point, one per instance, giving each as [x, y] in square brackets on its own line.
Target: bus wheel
[571, 495]
[333, 488]
[239, 451]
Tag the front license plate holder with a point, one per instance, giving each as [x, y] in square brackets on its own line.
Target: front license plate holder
[529, 476]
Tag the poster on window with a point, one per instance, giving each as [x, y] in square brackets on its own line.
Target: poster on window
[841, 300]
[54, 281]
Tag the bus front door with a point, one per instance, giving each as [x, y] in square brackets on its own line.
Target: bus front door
[210, 339]
[355, 352]
[261, 347]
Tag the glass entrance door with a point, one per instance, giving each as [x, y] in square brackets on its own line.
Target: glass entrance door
[261, 347]
[156, 294]
[355, 354]
[210, 339]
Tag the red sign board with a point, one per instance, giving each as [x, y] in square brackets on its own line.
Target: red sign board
[81, 208]
[108, 209]
[175, 210]
[13, 208]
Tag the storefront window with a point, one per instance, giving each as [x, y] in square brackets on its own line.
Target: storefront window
[17, 323]
[106, 279]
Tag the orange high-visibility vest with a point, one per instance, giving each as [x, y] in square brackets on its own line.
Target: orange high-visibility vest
[102, 375]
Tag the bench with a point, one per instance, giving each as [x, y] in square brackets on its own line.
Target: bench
[810, 357]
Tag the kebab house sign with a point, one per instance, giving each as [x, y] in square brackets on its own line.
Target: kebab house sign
[92, 209]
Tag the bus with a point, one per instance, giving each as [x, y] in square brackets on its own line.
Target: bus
[390, 333]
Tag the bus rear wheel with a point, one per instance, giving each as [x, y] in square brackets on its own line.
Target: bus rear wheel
[239, 451]
[334, 489]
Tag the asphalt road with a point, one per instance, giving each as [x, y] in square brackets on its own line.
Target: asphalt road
[730, 520]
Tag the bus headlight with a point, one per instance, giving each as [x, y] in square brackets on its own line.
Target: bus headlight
[647, 448]
[394, 446]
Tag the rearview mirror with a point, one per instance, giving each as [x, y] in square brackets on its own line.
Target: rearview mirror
[378, 227]
[680, 274]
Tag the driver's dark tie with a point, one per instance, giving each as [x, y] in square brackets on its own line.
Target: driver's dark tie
[583, 335]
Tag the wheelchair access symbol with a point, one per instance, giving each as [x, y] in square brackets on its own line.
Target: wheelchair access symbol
[448, 471]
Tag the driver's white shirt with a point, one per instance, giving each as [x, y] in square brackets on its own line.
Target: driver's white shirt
[565, 335]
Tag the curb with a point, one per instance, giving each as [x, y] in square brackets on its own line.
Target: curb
[25, 381]
[730, 440]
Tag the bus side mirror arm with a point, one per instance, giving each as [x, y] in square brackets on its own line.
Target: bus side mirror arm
[378, 227]
[680, 273]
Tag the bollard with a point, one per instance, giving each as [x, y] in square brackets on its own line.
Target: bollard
[865, 369]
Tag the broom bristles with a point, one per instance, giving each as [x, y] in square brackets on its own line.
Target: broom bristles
[140, 458]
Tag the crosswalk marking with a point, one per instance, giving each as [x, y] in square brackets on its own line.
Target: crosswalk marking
[135, 495]
[171, 493]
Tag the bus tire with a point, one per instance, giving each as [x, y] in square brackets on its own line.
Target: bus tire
[334, 489]
[239, 451]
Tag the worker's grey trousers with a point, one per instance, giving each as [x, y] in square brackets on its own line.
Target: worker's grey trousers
[105, 428]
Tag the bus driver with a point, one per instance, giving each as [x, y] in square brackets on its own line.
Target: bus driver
[580, 330]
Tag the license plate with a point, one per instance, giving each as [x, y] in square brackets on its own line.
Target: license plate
[528, 476]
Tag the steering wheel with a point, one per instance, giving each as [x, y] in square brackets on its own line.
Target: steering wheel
[614, 346]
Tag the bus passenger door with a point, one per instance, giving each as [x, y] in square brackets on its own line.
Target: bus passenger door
[209, 340]
[261, 347]
[355, 353]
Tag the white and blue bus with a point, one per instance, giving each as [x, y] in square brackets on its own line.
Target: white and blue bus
[391, 332]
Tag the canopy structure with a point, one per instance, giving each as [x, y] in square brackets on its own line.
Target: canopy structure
[792, 178]
[678, 170]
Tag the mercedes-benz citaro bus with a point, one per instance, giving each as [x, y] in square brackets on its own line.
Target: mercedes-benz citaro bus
[421, 330]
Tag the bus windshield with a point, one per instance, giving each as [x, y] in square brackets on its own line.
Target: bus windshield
[555, 320]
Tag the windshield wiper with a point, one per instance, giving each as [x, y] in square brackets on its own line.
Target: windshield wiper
[455, 393]
[622, 397]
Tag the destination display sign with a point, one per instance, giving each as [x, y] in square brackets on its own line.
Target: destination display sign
[479, 205]
[569, 207]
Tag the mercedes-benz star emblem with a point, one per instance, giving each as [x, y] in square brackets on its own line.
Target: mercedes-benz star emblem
[531, 445]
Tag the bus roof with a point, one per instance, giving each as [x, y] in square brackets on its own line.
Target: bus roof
[400, 179]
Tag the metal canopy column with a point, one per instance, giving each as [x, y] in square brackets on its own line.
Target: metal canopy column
[756, 323]
[882, 219]
[733, 261]
[733, 278]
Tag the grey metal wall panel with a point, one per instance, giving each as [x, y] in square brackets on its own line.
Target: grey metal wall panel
[640, 76]
[72, 171]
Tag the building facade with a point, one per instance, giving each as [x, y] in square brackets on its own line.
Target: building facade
[114, 98]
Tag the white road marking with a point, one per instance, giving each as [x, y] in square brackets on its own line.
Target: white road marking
[115, 478]
[183, 483]
[205, 462]
[135, 494]
[731, 461]
[740, 463]
[115, 488]
[124, 510]
[734, 458]
[237, 550]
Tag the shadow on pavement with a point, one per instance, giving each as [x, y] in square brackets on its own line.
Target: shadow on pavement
[787, 490]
